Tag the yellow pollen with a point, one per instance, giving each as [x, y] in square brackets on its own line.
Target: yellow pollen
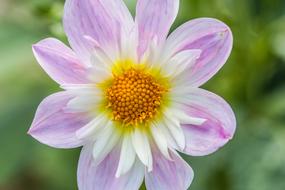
[134, 97]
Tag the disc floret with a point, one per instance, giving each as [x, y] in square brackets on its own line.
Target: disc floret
[134, 97]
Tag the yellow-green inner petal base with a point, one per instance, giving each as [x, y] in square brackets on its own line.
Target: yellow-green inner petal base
[135, 95]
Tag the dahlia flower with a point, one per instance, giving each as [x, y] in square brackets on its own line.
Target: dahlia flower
[131, 93]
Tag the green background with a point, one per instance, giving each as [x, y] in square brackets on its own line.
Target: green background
[252, 81]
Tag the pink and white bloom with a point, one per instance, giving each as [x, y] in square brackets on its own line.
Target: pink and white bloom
[131, 93]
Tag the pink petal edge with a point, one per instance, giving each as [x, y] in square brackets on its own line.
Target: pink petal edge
[103, 20]
[55, 128]
[167, 174]
[216, 131]
[102, 177]
[211, 36]
[154, 19]
[60, 62]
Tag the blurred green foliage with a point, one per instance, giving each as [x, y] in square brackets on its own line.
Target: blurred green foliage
[253, 81]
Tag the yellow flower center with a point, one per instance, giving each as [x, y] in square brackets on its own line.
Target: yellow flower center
[134, 97]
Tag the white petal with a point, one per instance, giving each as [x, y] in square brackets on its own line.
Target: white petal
[178, 91]
[99, 74]
[186, 119]
[142, 148]
[92, 128]
[129, 45]
[82, 89]
[160, 140]
[171, 143]
[169, 115]
[127, 156]
[86, 98]
[82, 104]
[98, 54]
[152, 54]
[175, 129]
[106, 141]
[181, 61]
[101, 60]
[75, 87]
[100, 68]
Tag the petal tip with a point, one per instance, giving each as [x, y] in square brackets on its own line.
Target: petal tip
[35, 48]
[29, 132]
[32, 130]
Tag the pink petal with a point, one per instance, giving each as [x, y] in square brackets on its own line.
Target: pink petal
[102, 20]
[169, 175]
[102, 177]
[154, 19]
[60, 62]
[218, 128]
[211, 36]
[54, 127]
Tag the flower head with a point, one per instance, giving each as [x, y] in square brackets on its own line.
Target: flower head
[131, 93]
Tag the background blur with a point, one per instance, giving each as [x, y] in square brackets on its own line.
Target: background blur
[253, 82]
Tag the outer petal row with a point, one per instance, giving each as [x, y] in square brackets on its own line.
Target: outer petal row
[53, 126]
[60, 62]
[218, 128]
[103, 20]
[169, 175]
[212, 37]
[102, 176]
[154, 19]
[166, 174]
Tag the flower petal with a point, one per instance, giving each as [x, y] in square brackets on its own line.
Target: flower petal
[142, 147]
[175, 129]
[127, 156]
[181, 61]
[186, 119]
[102, 177]
[154, 19]
[160, 140]
[218, 128]
[103, 20]
[106, 140]
[60, 62]
[101, 70]
[212, 37]
[53, 126]
[171, 141]
[89, 131]
[169, 175]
